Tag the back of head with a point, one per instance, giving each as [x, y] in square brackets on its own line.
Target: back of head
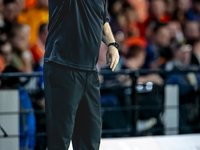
[133, 51]
[5, 2]
[162, 35]
[15, 29]
[159, 26]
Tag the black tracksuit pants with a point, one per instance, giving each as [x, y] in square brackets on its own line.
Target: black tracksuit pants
[72, 107]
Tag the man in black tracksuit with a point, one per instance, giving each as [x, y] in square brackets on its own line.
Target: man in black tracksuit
[76, 29]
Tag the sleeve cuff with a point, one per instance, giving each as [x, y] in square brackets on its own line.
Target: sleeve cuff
[106, 20]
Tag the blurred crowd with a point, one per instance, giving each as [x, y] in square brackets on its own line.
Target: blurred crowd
[156, 34]
[23, 32]
[153, 34]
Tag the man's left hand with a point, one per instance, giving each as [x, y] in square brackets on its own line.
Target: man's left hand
[112, 54]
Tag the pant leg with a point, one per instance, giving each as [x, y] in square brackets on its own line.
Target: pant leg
[87, 131]
[63, 92]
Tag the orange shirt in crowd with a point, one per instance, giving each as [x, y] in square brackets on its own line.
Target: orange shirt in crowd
[2, 64]
[38, 50]
[34, 17]
[29, 3]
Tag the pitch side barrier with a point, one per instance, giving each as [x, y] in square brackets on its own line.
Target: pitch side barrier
[170, 107]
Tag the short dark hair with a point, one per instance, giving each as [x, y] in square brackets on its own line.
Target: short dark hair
[42, 28]
[5, 2]
[196, 1]
[10, 82]
[133, 51]
[158, 26]
[14, 29]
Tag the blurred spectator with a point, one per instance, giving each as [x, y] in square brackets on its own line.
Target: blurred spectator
[182, 8]
[170, 7]
[157, 14]
[5, 28]
[122, 21]
[35, 16]
[11, 10]
[184, 5]
[141, 7]
[134, 59]
[38, 49]
[181, 61]
[160, 39]
[194, 13]
[176, 32]
[6, 52]
[22, 57]
[132, 19]
[21, 4]
[181, 57]
[115, 9]
[158, 10]
[1, 7]
[161, 35]
[192, 32]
